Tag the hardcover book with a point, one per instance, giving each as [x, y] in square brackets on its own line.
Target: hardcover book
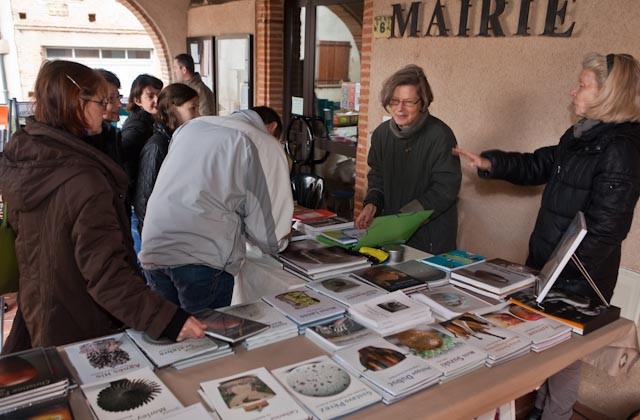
[105, 358]
[305, 307]
[325, 388]
[319, 260]
[228, 327]
[23, 372]
[431, 276]
[580, 317]
[138, 395]
[345, 236]
[450, 302]
[493, 278]
[345, 289]
[453, 260]
[389, 278]
[254, 394]
[164, 352]
[305, 215]
[340, 333]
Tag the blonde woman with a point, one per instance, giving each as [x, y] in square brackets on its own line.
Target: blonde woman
[594, 169]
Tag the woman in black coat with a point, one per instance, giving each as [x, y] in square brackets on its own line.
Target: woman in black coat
[177, 104]
[594, 169]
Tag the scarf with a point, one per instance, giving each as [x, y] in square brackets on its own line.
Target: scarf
[583, 126]
[411, 130]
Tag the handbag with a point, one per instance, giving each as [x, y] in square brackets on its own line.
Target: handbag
[8, 261]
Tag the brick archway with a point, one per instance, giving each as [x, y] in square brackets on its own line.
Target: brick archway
[159, 42]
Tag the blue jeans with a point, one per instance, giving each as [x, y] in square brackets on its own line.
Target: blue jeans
[137, 241]
[194, 287]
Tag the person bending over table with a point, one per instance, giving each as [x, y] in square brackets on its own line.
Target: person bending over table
[594, 169]
[411, 165]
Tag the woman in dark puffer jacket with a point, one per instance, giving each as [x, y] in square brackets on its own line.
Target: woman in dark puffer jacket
[177, 104]
[594, 169]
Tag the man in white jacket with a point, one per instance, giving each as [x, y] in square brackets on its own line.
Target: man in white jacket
[224, 179]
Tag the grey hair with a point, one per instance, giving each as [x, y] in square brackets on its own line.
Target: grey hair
[411, 75]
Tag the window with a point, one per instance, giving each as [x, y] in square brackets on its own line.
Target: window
[333, 62]
[139, 54]
[114, 54]
[59, 53]
[107, 53]
[81, 53]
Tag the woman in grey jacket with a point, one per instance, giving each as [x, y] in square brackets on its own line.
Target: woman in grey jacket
[412, 167]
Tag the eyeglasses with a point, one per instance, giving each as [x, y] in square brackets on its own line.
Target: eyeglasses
[115, 98]
[103, 103]
[406, 103]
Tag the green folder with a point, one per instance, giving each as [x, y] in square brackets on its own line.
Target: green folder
[395, 228]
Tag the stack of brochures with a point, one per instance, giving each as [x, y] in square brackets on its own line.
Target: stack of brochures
[105, 358]
[31, 378]
[544, 332]
[495, 278]
[141, 394]
[453, 260]
[391, 313]
[254, 394]
[346, 290]
[164, 352]
[305, 307]
[319, 263]
[325, 388]
[280, 327]
[449, 302]
[390, 278]
[391, 371]
[442, 352]
[500, 344]
[340, 333]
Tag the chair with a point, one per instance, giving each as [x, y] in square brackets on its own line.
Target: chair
[307, 190]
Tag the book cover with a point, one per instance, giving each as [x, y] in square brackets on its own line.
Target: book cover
[320, 225]
[391, 311]
[254, 394]
[453, 260]
[423, 272]
[304, 306]
[49, 410]
[325, 388]
[339, 333]
[105, 358]
[388, 278]
[228, 327]
[441, 351]
[560, 307]
[317, 260]
[493, 278]
[537, 327]
[306, 215]
[345, 290]
[450, 302]
[24, 371]
[345, 236]
[387, 366]
[164, 352]
[138, 395]
[261, 312]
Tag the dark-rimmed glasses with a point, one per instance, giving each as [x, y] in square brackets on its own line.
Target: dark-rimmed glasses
[103, 103]
[406, 103]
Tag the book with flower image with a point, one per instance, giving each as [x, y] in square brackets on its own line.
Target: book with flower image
[325, 388]
[254, 394]
[499, 343]
[137, 395]
[228, 327]
[105, 358]
[443, 352]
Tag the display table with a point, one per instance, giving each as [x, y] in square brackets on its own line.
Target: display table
[463, 398]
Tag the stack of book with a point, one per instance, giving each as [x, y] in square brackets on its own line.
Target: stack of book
[304, 214]
[344, 236]
[320, 263]
[254, 394]
[500, 344]
[431, 276]
[442, 352]
[164, 352]
[340, 333]
[544, 332]
[229, 327]
[392, 372]
[389, 278]
[324, 388]
[314, 228]
[495, 278]
[453, 260]
[280, 327]
[391, 313]
[346, 290]
[137, 395]
[31, 378]
[105, 358]
[305, 307]
[449, 302]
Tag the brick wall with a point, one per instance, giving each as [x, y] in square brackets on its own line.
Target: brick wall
[363, 121]
[269, 44]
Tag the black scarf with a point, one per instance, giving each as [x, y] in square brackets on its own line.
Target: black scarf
[411, 130]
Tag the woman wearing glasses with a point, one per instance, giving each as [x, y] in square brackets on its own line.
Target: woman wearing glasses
[594, 169]
[78, 276]
[412, 167]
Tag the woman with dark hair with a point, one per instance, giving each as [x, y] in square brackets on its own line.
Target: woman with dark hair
[177, 104]
[594, 169]
[78, 276]
[412, 167]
